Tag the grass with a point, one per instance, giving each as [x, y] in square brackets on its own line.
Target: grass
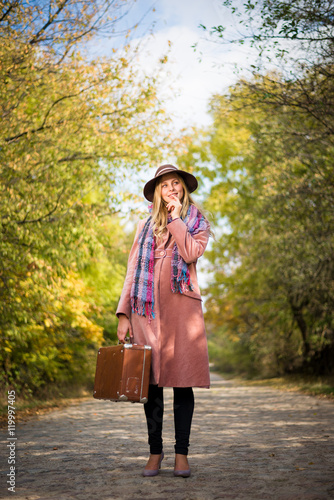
[313, 385]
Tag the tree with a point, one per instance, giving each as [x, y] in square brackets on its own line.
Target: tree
[273, 285]
[281, 26]
[275, 186]
[70, 123]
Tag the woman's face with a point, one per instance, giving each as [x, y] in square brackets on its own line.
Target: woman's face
[171, 187]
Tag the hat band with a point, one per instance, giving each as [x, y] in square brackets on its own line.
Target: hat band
[167, 168]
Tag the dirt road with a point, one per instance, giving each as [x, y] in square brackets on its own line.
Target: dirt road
[246, 443]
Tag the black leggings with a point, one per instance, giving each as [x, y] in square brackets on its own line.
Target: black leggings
[183, 406]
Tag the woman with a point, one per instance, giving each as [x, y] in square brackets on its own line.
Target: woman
[161, 306]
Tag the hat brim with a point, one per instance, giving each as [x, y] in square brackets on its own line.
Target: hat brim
[189, 180]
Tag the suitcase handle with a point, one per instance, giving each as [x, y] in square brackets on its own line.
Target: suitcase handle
[127, 341]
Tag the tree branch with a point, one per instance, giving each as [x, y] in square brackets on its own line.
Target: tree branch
[25, 221]
[34, 39]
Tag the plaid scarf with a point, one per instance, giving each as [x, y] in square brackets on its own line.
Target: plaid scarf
[142, 290]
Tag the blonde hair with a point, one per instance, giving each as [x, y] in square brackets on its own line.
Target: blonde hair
[159, 211]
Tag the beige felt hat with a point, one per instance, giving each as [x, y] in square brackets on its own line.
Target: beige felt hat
[189, 179]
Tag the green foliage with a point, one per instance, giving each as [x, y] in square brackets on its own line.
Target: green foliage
[273, 286]
[305, 24]
[231, 356]
[70, 125]
[272, 196]
[49, 340]
[104, 274]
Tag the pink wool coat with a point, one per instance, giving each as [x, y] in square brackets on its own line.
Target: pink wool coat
[177, 333]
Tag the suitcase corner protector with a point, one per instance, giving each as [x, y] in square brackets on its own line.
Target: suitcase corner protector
[123, 397]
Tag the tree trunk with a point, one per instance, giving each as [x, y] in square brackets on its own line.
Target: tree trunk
[299, 318]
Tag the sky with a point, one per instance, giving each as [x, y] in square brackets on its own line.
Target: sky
[191, 76]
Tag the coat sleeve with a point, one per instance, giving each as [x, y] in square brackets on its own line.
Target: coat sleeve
[190, 247]
[124, 305]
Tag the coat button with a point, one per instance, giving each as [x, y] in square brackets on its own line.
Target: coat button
[162, 253]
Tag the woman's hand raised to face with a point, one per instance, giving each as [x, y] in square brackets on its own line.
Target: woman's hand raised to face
[174, 206]
[124, 326]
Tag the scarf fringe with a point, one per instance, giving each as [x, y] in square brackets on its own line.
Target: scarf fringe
[181, 283]
[142, 308]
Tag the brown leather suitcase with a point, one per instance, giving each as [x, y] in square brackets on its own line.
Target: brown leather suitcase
[123, 373]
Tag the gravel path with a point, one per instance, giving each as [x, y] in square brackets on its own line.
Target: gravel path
[246, 443]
